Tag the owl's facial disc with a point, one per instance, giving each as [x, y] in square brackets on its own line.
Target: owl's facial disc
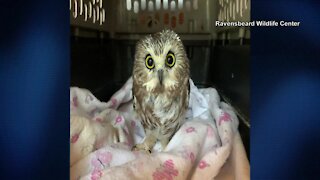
[160, 76]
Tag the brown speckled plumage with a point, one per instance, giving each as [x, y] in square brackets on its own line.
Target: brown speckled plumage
[160, 104]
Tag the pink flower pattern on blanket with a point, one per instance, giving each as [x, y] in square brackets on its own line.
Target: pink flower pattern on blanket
[74, 138]
[96, 163]
[210, 131]
[98, 119]
[198, 139]
[96, 174]
[113, 102]
[192, 157]
[101, 160]
[133, 123]
[190, 129]
[187, 154]
[203, 164]
[224, 117]
[118, 120]
[75, 101]
[166, 171]
[104, 157]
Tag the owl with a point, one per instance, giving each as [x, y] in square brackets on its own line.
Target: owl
[160, 87]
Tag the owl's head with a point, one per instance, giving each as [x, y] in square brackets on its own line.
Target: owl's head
[161, 62]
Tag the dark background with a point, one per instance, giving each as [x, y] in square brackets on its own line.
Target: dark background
[34, 81]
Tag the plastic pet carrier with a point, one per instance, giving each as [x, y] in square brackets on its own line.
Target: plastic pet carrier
[104, 34]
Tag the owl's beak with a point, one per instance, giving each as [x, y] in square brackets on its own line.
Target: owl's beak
[160, 75]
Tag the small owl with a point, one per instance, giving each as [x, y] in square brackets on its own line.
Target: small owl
[160, 87]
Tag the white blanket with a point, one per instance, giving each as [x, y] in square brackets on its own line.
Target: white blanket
[102, 135]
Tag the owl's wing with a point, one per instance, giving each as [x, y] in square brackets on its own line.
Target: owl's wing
[140, 107]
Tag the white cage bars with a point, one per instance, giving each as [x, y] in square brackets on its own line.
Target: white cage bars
[234, 10]
[147, 16]
[87, 13]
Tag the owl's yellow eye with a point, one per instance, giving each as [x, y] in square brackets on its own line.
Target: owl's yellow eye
[149, 62]
[171, 60]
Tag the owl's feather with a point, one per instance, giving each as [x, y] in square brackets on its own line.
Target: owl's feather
[161, 106]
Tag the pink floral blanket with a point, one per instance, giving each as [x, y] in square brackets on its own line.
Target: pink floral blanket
[207, 146]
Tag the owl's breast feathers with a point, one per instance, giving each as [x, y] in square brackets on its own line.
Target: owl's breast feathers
[163, 107]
